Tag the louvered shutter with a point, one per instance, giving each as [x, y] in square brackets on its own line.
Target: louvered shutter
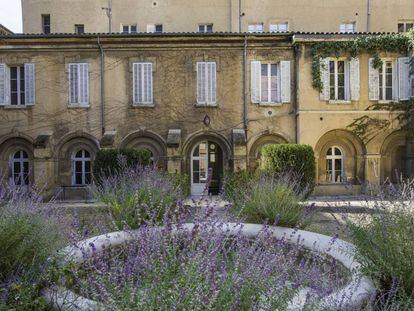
[373, 77]
[147, 79]
[395, 80]
[211, 83]
[4, 82]
[201, 74]
[135, 83]
[255, 82]
[354, 79]
[84, 84]
[73, 84]
[404, 78]
[30, 84]
[150, 28]
[325, 79]
[285, 81]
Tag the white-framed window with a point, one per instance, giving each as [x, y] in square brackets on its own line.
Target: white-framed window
[338, 74]
[79, 84]
[405, 26]
[129, 28]
[205, 28]
[79, 29]
[270, 82]
[347, 27]
[46, 28]
[335, 165]
[279, 27]
[81, 168]
[206, 83]
[154, 28]
[386, 80]
[255, 28]
[19, 165]
[142, 84]
[17, 85]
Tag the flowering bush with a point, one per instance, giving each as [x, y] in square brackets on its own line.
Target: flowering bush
[140, 195]
[203, 269]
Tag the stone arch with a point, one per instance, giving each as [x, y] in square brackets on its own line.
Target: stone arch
[393, 157]
[144, 139]
[9, 145]
[259, 142]
[353, 150]
[67, 147]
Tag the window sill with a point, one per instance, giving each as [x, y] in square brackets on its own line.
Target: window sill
[143, 105]
[387, 101]
[78, 106]
[207, 105]
[340, 102]
[17, 107]
[270, 104]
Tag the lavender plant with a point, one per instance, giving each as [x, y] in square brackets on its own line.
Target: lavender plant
[203, 269]
[140, 195]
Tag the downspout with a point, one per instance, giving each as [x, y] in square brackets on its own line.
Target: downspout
[102, 85]
[296, 55]
[368, 15]
[244, 94]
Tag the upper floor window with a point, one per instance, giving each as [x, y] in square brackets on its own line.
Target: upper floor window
[79, 29]
[17, 85]
[347, 27]
[79, 84]
[142, 84]
[255, 28]
[129, 28]
[205, 28]
[405, 26]
[341, 79]
[155, 28]
[206, 83]
[270, 82]
[46, 28]
[337, 77]
[279, 27]
[19, 165]
[391, 81]
[81, 168]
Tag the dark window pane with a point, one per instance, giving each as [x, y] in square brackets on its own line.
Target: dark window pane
[388, 94]
[87, 166]
[196, 177]
[409, 26]
[337, 151]
[78, 179]
[401, 27]
[329, 151]
[341, 93]
[125, 29]
[88, 178]
[133, 29]
[264, 70]
[209, 28]
[158, 28]
[87, 154]
[78, 166]
[13, 72]
[16, 167]
[341, 66]
[274, 70]
[79, 154]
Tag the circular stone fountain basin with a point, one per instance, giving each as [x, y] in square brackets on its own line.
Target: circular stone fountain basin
[356, 292]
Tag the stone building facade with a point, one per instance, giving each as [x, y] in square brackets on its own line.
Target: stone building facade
[69, 16]
[201, 104]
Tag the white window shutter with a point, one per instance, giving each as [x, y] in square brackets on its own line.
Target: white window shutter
[325, 79]
[395, 80]
[83, 84]
[255, 81]
[373, 77]
[30, 84]
[147, 93]
[404, 78]
[212, 82]
[135, 85]
[150, 28]
[73, 83]
[201, 74]
[285, 81]
[354, 79]
[3, 85]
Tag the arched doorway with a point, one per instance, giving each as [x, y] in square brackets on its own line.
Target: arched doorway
[206, 168]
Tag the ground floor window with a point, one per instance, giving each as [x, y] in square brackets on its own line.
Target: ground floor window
[81, 168]
[335, 168]
[19, 164]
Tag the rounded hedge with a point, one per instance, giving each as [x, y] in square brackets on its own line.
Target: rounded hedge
[296, 159]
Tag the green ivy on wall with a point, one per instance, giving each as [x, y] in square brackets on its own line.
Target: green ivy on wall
[371, 44]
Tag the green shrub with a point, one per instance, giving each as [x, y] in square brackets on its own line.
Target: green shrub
[276, 203]
[237, 186]
[295, 159]
[108, 161]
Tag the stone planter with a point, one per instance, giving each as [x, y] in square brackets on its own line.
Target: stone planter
[359, 289]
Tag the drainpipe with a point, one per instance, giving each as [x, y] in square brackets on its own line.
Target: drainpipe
[244, 85]
[368, 15]
[102, 85]
[296, 56]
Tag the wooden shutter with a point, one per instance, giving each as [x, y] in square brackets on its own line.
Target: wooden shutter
[73, 84]
[373, 81]
[30, 84]
[4, 82]
[147, 83]
[395, 80]
[255, 82]
[325, 79]
[211, 83]
[150, 28]
[136, 77]
[201, 82]
[404, 78]
[285, 81]
[83, 84]
[354, 79]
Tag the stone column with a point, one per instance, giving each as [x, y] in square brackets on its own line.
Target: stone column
[373, 168]
[173, 151]
[239, 150]
[44, 176]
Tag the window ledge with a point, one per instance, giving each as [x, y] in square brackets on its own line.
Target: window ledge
[207, 105]
[340, 102]
[143, 105]
[17, 107]
[72, 106]
[270, 104]
[387, 101]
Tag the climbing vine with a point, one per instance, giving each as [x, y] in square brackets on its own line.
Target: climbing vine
[371, 44]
